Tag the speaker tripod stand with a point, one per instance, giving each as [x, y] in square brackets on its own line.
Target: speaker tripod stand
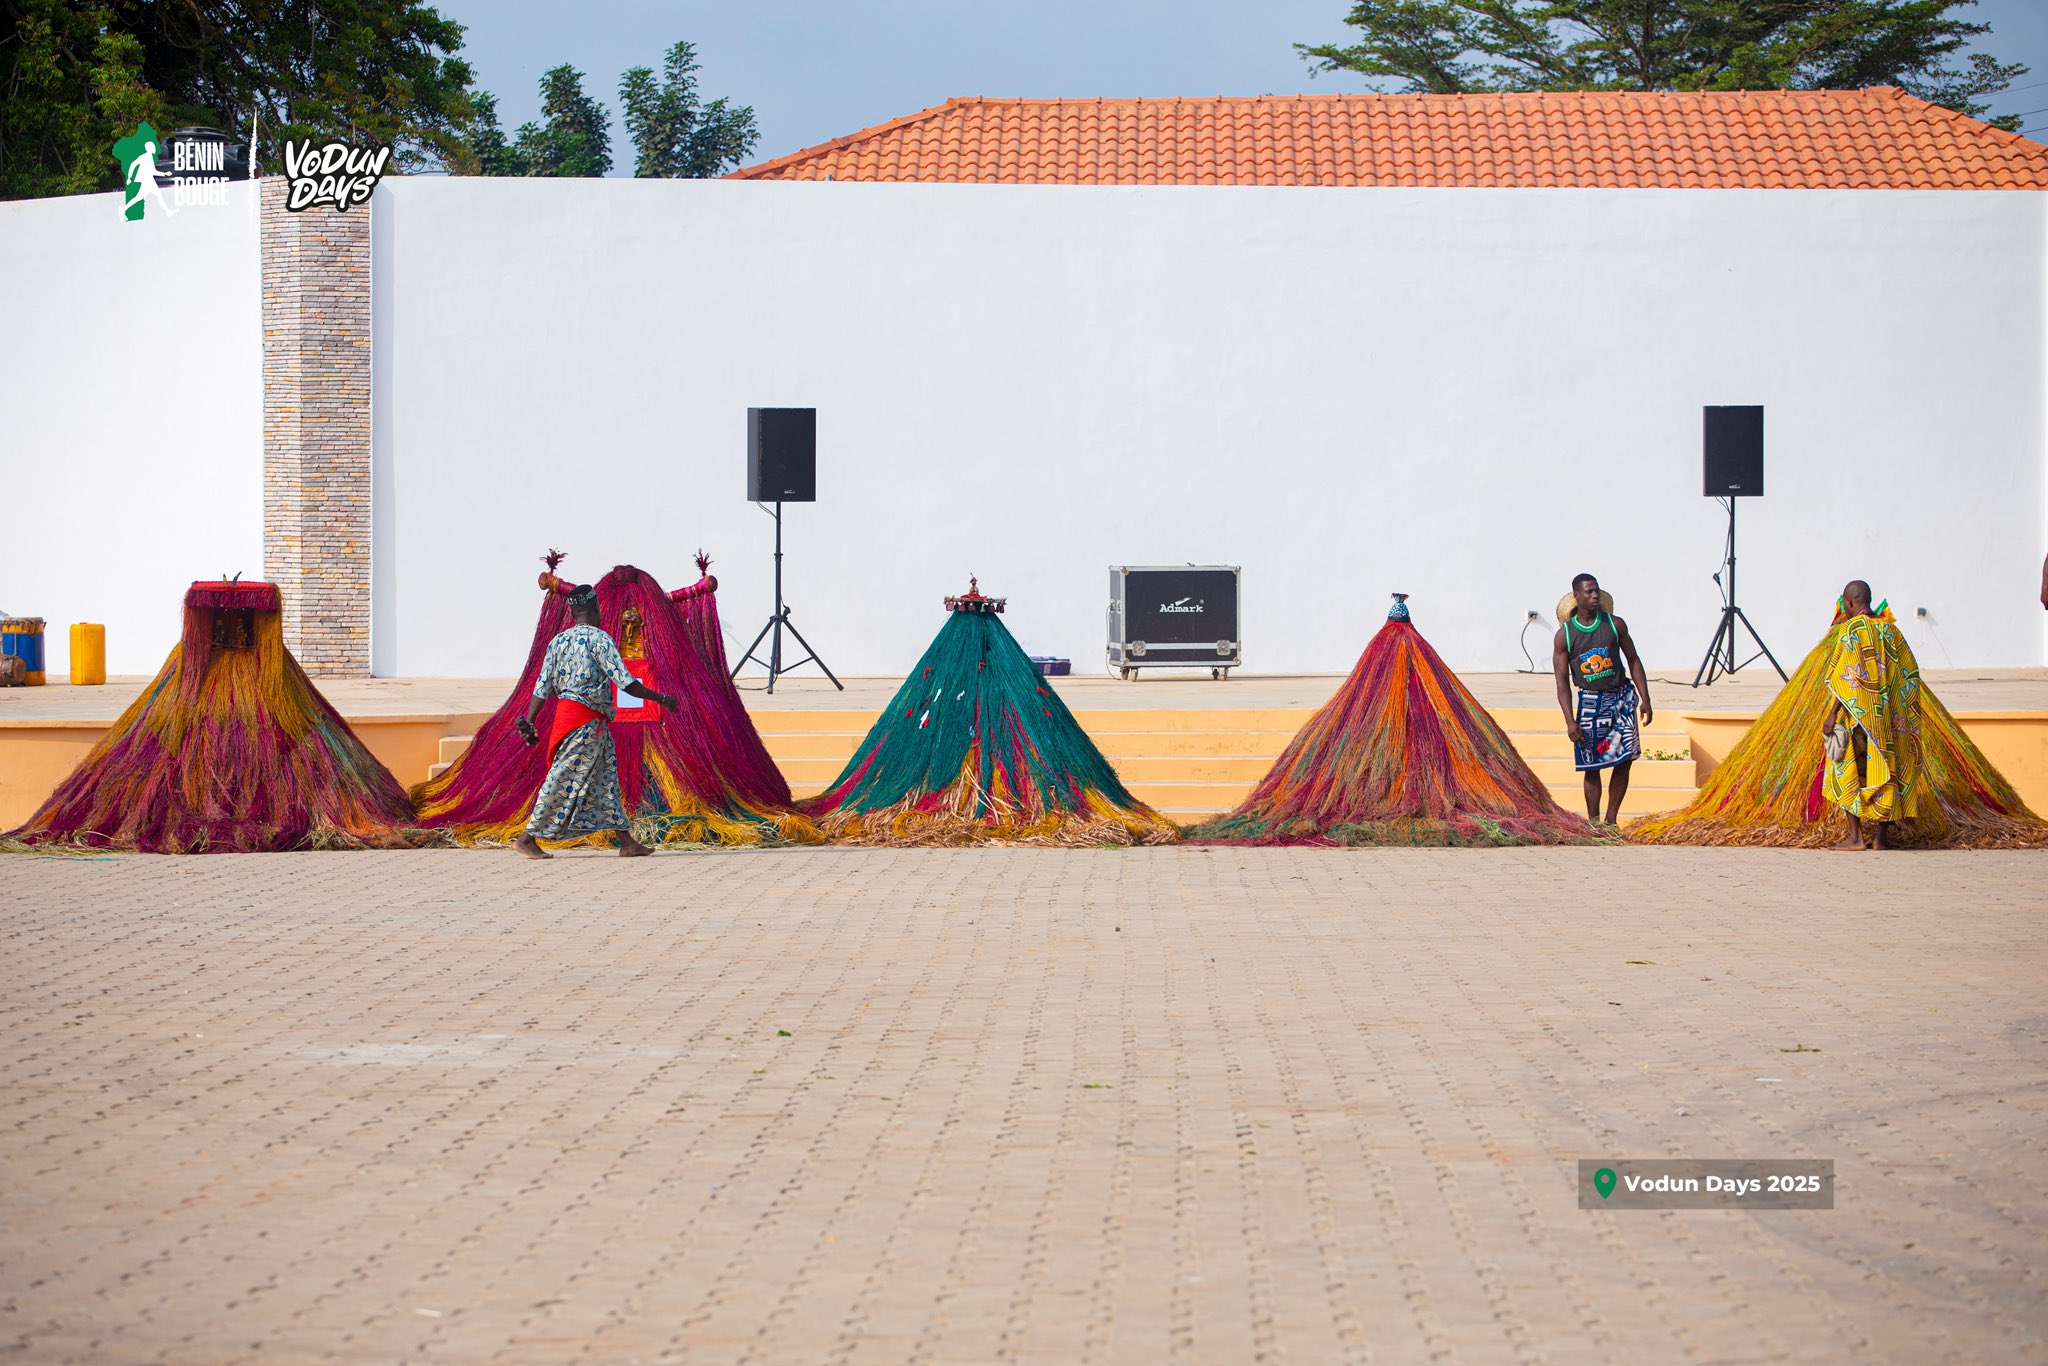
[1721, 653]
[778, 622]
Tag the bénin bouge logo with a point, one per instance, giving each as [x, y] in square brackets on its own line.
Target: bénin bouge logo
[137, 154]
[336, 175]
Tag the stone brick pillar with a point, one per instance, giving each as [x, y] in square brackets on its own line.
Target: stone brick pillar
[316, 429]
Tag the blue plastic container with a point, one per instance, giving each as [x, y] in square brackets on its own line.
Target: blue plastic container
[22, 637]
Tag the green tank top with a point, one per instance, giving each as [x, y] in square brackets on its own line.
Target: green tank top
[1593, 653]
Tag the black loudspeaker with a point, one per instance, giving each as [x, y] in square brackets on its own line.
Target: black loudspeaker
[1734, 451]
[782, 455]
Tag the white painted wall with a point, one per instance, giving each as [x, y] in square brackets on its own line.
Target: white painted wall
[1468, 395]
[131, 415]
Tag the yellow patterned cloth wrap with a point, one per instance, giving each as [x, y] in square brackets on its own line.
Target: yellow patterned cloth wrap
[1872, 673]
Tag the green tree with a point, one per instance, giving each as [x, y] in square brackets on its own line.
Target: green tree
[77, 74]
[575, 139]
[676, 135]
[1467, 46]
[68, 89]
[364, 70]
[489, 150]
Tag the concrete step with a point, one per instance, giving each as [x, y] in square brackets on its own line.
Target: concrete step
[790, 745]
[1205, 798]
[1557, 745]
[814, 772]
[1184, 769]
[1640, 801]
[452, 747]
[1284, 722]
[1204, 744]
[1672, 774]
[436, 770]
[854, 723]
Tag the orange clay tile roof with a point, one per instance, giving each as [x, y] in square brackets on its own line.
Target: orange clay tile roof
[1875, 139]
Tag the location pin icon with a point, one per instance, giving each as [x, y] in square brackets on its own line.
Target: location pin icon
[1603, 1181]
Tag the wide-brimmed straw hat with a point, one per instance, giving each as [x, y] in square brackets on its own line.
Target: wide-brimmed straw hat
[1569, 602]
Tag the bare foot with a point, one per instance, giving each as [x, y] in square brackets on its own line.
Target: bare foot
[1851, 843]
[525, 845]
[1879, 838]
[630, 847]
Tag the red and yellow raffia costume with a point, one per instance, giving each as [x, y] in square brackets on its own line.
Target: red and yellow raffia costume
[230, 749]
[700, 775]
[1402, 754]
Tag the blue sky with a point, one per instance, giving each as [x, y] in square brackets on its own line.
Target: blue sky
[816, 69]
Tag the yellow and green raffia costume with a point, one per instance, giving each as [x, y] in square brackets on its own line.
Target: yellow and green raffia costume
[1872, 674]
[1773, 789]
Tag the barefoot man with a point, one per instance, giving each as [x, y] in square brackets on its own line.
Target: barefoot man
[1588, 651]
[1872, 729]
[581, 793]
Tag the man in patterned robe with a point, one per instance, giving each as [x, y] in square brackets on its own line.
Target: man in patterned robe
[1873, 769]
[581, 793]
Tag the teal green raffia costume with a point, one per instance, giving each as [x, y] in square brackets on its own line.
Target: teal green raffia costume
[974, 747]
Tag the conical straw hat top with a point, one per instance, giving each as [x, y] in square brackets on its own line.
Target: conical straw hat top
[1566, 603]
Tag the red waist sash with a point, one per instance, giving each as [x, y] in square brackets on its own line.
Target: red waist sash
[570, 715]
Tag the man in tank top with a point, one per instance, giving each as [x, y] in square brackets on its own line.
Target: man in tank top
[1587, 655]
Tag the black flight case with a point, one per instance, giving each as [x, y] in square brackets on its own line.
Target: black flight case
[1173, 617]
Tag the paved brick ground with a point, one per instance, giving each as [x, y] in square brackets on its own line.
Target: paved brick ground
[836, 1106]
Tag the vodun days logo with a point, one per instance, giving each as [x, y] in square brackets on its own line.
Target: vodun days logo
[335, 176]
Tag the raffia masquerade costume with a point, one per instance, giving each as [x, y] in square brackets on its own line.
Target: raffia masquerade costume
[230, 749]
[975, 747]
[699, 775]
[1772, 788]
[1402, 754]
